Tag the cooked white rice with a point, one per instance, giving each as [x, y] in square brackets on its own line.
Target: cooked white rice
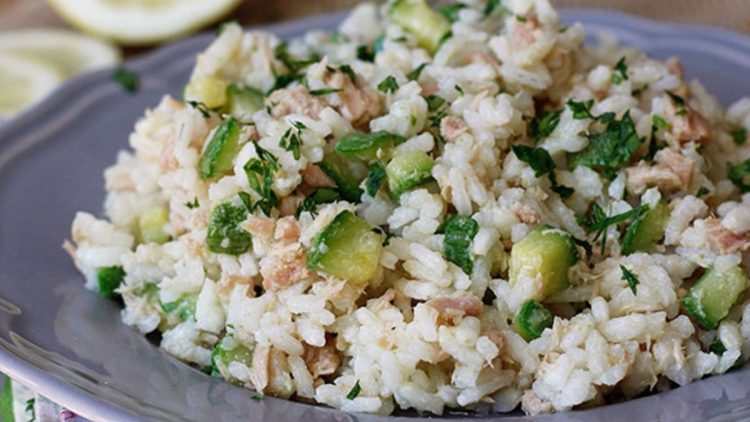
[409, 337]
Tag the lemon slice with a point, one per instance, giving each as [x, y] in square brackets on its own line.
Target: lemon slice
[67, 52]
[24, 82]
[139, 22]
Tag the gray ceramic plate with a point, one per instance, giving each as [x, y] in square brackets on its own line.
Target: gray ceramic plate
[70, 345]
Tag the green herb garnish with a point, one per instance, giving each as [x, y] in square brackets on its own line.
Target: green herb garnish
[375, 178]
[194, 204]
[291, 140]
[630, 278]
[260, 172]
[581, 109]
[459, 89]
[660, 122]
[620, 73]
[739, 136]
[702, 191]
[109, 279]
[459, 233]
[450, 11]
[610, 149]
[540, 161]
[354, 392]
[544, 124]
[414, 74]
[127, 79]
[348, 71]
[739, 174]
[679, 102]
[388, 85]
[324, 91]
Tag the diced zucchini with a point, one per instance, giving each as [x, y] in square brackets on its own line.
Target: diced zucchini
[347, 249]
[545, 252]
[109, 279]
[428, 26]
[531, 320]
[220, 151]
[183, 308]
[407, 170]
[224, 232]
[643, 234]
[227, 351]
[346, 173]
[710, 299]
[210, 91]
[243, 101]
[365, 146]
[151, 225]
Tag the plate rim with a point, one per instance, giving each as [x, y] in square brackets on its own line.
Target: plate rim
[16, 133]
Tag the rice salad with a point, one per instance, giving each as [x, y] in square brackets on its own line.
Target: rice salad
[434, 208]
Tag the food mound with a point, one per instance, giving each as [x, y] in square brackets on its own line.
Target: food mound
[444, 208]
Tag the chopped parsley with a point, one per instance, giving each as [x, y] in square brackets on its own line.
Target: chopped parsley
[493, 5]
[224, 232]
[620, 73]
[256, 397]
[679, 102]
[717, 347]
[348, 71]
[293, 64]
[544, 124]
[739, 174]
[320, 196]
[30, 410]
[202, 108]
[630, 278]
[414, 74]
[388, 85]
[260, 172]
[610, 149]
[365, 53]
[702, 191]
[438, 108]
[459, 89]
[291, 140]
[600, 222]
[632, 229]
[246, 200]
[434, 102]
[109, 279]
[581, 109]
[354, 392]
[739, 136]
[194, 204]
[127, 79]
[522, 18]
[660, 122]
[540, 161]
[459, 233]
[324, 91]
[375, 178]
[450, 11]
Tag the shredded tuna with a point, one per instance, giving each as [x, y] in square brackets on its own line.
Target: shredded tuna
[525, 33]
[288, 205]
[359, 104]
[297, 100]
[673, 171]
[452, 309]
[324, 360]
[287, 229]
[722, 240]
[284, 266]
[525, 213]
[260, 226]
[451, 127]
[314, 177]
[680, 165]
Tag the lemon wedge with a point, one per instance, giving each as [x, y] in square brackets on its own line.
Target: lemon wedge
[140, 22]
[23, 82]
[67, 52]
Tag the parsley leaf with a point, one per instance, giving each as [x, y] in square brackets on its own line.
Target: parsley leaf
[388, 85]
[202, 108]
[434, 102]
[544, 124]
[450, 11]
[293, 64]
[260, 172]
[320, 196]
[717, 347]
[438, 108]
[522, 18]
[702, 191]
[459, 233]
[324, 91]
[541, 162]
[127, 79]
[30, 410]
[493, 5]
[739, 174]
[632, 229]
[375, 178]
[600, 221]
[365, 53]
[256, 397]
[660, 122]
[581, 109]
[224, 232]
[630, 278]
[194, 204]
[739, 136]
[610, 149]
[620, 73]
[348, 71]
[679, 102]
[459, 89]
[414, 74]
[291, 139]
[354, 392]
